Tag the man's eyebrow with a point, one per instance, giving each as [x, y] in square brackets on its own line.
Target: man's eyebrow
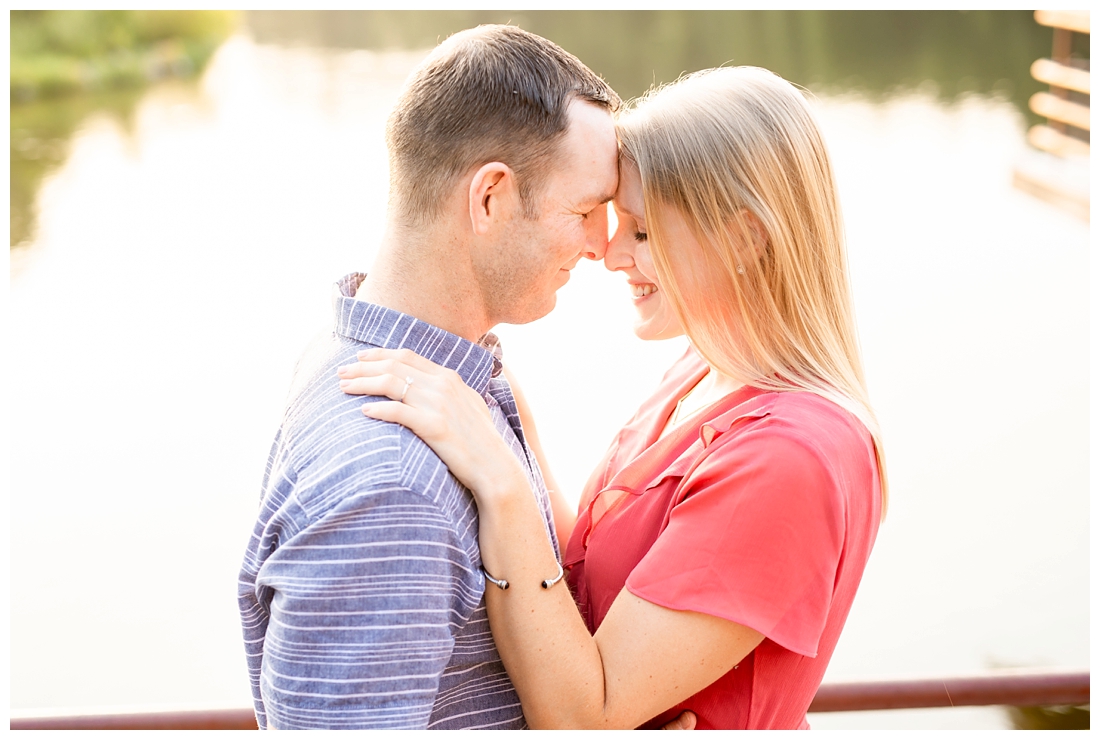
[598, 200]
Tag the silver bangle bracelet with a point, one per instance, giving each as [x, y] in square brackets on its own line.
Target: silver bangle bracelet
[551, 581]
[503, 584]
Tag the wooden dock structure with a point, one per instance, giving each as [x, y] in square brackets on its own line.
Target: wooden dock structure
[1060, 174]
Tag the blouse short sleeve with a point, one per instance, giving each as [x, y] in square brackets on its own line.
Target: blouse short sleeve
[756, 539]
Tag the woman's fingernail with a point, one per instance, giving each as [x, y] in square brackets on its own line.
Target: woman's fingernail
[341, 370]
[344, 383]
[362, 354]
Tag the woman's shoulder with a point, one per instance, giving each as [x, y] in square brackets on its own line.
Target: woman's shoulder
[805, 413]
[808, 409]
[794, 424]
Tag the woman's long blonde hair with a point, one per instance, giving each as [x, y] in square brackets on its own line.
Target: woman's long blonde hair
[775, 309]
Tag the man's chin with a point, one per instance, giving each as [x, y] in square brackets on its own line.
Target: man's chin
[533, 312]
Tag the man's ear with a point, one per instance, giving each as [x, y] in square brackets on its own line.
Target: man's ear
[492, 193]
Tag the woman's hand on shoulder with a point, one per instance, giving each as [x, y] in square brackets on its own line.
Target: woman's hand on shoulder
[686, 721]
[437, 405]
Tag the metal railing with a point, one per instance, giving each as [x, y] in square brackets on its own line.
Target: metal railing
[1010, 688]
[198, 719]
[1018, 688]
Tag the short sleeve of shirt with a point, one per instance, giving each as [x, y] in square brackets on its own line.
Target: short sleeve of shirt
[757, 539]
[366, 601]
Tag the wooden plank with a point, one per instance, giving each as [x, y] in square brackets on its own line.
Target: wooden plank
[1056, 109]
[1055, 142]
[1053, 193]
[1074, 20]
[1059, 75]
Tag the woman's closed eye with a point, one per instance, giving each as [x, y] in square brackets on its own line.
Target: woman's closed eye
[639, 236]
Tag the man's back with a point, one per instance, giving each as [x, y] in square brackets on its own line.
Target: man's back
[361, 593]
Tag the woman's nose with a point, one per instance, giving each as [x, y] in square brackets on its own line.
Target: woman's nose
[619, 255]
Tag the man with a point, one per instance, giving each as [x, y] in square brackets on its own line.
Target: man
[361, 593]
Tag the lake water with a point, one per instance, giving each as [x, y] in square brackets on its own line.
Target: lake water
[183, 256]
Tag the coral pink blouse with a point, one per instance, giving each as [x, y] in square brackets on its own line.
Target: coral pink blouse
[761, 509]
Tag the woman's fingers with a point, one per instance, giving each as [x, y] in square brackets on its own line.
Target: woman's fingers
[377, 361]
[390, 378]
[391, 411]
[437, 405]
[398, 356]
[367, 368]
[686, 721]
[422, 424]
[395, 373]
[377, 385]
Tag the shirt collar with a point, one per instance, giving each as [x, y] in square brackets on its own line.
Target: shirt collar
[383, 327]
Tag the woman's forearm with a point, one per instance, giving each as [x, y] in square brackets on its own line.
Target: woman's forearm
[644, 659]
[552, 659]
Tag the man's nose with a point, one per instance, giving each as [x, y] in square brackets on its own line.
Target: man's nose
[595, 242]
[595, 248]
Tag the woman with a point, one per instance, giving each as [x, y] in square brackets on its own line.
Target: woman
[721, 541]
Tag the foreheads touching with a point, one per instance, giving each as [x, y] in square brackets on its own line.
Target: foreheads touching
[492, 93]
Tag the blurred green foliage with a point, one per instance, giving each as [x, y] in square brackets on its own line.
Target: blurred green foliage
[40, 135]
[57, 52]
[1049, 718]
[105, 55]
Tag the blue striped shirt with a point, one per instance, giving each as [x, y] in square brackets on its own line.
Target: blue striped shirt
[361, 594]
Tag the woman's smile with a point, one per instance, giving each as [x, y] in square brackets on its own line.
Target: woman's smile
[628, 253]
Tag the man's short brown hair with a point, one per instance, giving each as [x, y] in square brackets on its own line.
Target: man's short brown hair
[488, 94]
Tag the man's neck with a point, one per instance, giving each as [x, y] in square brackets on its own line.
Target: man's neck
[425, 277]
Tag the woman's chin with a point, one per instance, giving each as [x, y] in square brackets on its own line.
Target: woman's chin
[648, 331]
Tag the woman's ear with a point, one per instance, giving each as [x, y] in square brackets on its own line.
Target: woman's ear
[756, 241]
[492, 194]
